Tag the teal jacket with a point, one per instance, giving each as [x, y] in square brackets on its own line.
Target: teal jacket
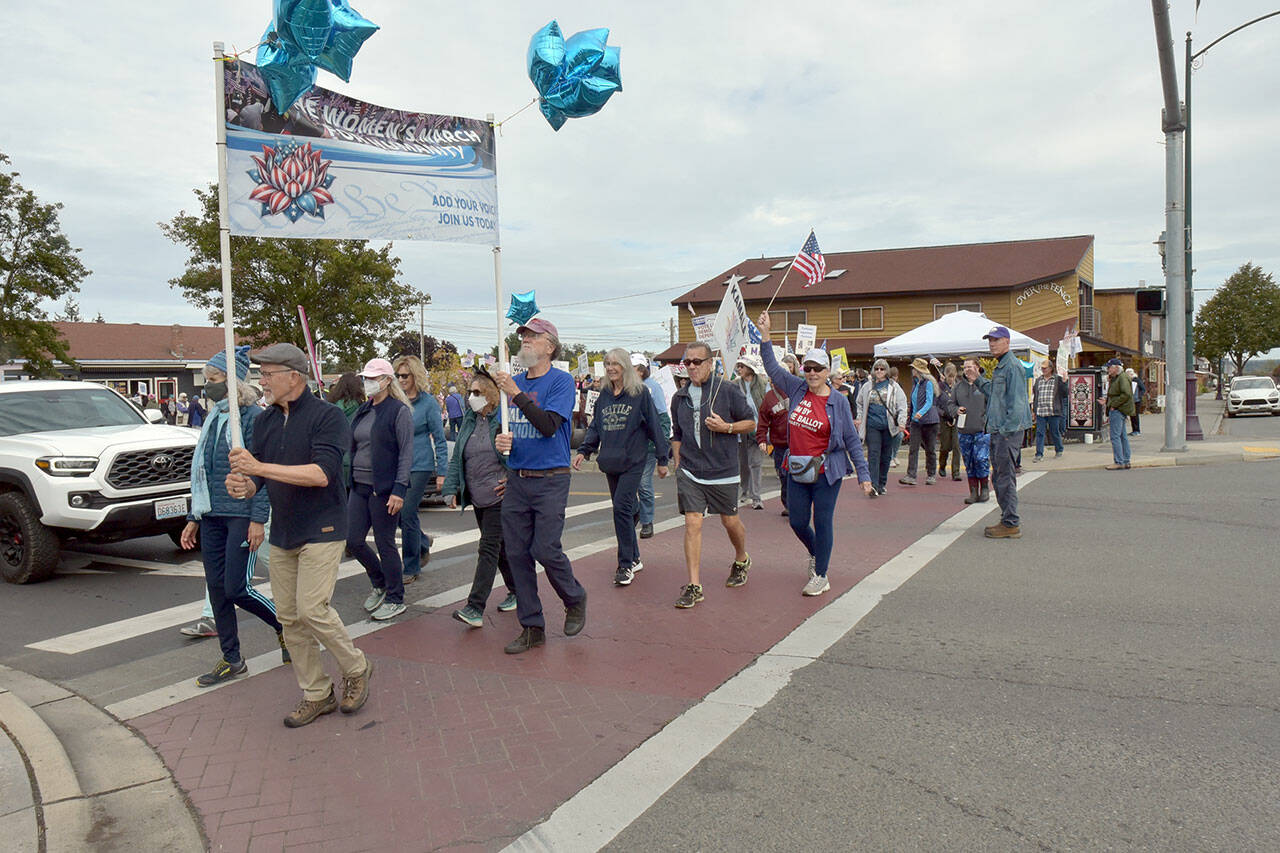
[455, 482]
[1008, 410]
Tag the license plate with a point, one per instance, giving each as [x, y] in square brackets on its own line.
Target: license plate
[171, 508]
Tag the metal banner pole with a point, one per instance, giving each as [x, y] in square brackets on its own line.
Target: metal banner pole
[224, 239]
[503, 355]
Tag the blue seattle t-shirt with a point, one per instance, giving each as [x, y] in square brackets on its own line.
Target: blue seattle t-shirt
[553, 391]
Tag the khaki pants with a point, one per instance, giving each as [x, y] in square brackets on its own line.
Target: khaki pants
[302, 581]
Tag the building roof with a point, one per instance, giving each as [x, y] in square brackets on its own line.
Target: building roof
[966, 267]
[138, 342]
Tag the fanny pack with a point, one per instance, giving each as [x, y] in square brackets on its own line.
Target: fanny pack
[804, 469]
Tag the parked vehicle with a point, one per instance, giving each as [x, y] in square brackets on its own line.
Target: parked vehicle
[1256, 394]
[80, 462]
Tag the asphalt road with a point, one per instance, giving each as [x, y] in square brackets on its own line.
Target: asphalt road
[1251, 426]
[98, 586]
[1111, 680]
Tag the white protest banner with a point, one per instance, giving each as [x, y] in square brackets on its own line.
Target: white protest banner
[731, 331]
[702, 328]
[666, 379]
[584, 365]
[597, 369]
[561, 365]
[592, 396]
[806, 337]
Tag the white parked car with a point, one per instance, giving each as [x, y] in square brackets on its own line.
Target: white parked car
[79, 461]
[1256, 394]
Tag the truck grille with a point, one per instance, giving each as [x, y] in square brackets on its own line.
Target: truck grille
[159, 467]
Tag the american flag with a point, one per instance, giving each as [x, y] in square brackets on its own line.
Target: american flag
[810, 261]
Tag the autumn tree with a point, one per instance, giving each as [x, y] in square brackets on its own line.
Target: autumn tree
[1241, 320]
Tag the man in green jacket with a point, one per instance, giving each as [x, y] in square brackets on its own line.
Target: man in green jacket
[1008, 417]
[1119, 404]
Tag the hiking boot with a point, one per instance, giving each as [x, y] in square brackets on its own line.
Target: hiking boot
[973, 492]
[284, 650]
[374, 600]
[623, 576]
[646, 531]
[355, 689]
[307, 711]
[387, 611]
[930, 480]
[531, 637]
[984, 491]
[689, 596]
[738, 572]
[222, 671]
[1002, 531]
[508, 604]
[202, 627]
[907, 481]
[817, 585]
[409, 579]
[575, 617]
[469, 616]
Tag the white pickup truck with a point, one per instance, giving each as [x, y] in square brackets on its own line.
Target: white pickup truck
[78, 461]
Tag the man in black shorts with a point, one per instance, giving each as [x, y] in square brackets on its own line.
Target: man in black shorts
[707, 416]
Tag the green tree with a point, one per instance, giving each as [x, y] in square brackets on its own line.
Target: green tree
[37, 265]
[437, 351]
[1241, 320]
[70, 311]
[351, 292]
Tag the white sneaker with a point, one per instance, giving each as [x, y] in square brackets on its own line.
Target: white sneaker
[636, 566]
[388, 610]
[374, 600]
[817, 585]
[813, 567]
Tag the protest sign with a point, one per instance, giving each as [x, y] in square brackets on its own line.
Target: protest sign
[806, 337]
[592, 396]
[731, 330]
[702, 328]
[839, 360]
[597, 369]
[561, 365]
[666, 379]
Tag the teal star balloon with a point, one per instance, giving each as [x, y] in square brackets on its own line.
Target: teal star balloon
[523, 307]
[304, 35]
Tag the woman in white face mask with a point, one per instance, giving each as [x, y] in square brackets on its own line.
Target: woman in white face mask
[477, 476]
[381, 456]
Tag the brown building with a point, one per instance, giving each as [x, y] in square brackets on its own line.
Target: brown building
[1041, 288]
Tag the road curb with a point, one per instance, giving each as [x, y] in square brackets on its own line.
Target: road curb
[61, 814]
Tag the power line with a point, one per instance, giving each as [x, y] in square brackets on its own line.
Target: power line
[594, 301]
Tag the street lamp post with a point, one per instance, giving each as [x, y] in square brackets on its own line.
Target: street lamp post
[423, 299]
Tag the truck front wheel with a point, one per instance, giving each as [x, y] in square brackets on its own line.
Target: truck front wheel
[28, 550]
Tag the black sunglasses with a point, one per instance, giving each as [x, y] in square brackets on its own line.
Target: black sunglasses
[693, 362]
[813, 368]
[403, 375]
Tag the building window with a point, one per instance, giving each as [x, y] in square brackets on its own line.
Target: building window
[942, 308]
[787, 322]
[861, 319]
[756, 279]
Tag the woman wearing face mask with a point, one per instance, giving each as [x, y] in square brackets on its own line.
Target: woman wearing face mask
[381, 456]
[624, 423]
[230, 530]
[478, 476]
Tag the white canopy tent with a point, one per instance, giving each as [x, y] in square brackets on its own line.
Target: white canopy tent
[957, 333]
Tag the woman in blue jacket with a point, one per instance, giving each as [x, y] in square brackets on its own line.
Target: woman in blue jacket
[230, 530]
[381, 456]
[820, 426]
[430, 459]
[625, 421]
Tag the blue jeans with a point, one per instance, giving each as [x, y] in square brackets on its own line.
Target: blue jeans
[645, 492]
[1005, 448]
[365, 510]
[622, 488]
[819, 500]
[780, 465]
[411, 522]
[228, 570]
[1053, 425]
[532, 521]
[1119, 437]
[879, 452]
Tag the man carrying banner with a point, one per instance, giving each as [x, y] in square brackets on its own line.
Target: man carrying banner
[540, 407]
[707, 416]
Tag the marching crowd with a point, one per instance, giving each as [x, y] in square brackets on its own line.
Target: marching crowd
[313, 477]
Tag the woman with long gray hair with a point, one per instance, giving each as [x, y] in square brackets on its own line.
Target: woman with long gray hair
[625, 421]
[754, 385]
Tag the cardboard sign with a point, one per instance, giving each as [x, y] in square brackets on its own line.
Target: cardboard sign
[702, 328]
[597, 369]
[806, 337]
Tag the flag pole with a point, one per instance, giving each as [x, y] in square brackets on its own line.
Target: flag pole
[503, 355]
[224, 240]
[785, 274]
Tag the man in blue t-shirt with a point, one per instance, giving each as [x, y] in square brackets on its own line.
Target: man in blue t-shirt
[540, 406]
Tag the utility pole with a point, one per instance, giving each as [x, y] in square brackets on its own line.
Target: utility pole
[1194, 432]
[671, 329]
[423, 299]
[1175, 389]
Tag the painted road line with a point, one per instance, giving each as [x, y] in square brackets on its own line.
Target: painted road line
[163, 697]
[135, 626]
[595, 815]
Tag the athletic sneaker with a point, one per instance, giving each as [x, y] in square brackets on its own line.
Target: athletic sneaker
[508, 604]
[689, 596]
[812, 567]
[469, 616]
[222, 671]
[817, 585]
[202, 627]
[738, 572]
[636, 567]
[646, 531]
[930, 480]
[374, 600]
[907, 480]
[387, 610]
[623, 576]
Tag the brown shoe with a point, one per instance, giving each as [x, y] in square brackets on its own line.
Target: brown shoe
[307, 711]
[1116, 467]
[355, 689]
[1001, 531]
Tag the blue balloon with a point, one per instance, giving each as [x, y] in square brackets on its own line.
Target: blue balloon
[523, 307]
[574, 77]
[304, 35]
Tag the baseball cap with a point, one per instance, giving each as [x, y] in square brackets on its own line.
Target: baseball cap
[1115, 362]
[997, 332]
[541, 326]
[638, 359]
[285, 355]
[377, 367]
[817, 356]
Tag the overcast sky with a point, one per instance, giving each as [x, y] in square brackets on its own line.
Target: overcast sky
[741, 124]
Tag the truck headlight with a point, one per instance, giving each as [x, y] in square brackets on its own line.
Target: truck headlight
[67, 466]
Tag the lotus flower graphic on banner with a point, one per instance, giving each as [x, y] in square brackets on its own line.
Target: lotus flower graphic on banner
[292, 180]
